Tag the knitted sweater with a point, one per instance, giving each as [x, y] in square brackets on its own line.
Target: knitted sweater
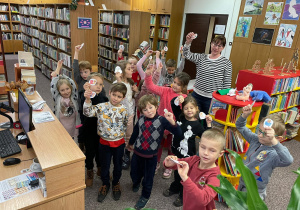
[148, 133]
[211, 74]
[262, 159]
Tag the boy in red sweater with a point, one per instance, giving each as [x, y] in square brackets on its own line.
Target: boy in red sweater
[198, 171]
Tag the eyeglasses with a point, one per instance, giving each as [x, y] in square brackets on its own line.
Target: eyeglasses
[215, 45]
[259, 131]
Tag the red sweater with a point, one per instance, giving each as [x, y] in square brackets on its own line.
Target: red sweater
[166, 95]
[196, 196]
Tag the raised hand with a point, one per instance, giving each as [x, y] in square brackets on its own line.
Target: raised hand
[189, 38]
[247, 110]
[149, 52]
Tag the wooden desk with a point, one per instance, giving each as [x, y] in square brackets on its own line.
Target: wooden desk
[62, 162]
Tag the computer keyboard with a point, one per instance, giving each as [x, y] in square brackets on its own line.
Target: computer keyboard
[8, 144]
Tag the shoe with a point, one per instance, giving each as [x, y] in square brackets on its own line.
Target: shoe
[135, 188]
[178, 202]
[116, 191]
[89, 178]
[81, 147]
[157, 167]
[103, 192]
[167, 174]
[141, 203]
[126, 161]
[168, 193]
[99, 171]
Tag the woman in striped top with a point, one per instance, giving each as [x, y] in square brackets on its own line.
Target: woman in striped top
[214, 71]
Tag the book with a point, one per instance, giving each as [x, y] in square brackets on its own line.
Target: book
[215, 105]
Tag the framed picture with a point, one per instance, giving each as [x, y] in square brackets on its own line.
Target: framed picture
[84, 23]
[253, 7]
[263, 36]
[286, 34]
[243, 27]
[291, 10]
[273, 13]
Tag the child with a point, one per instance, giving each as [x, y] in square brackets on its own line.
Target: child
[112, 120]
[185, 144]
[64, 93]
[146, 137]
[142, 60]
[265, 152]
[179, 87]
[168, 72]
[89, 128]
[198, 171]
[128, 103]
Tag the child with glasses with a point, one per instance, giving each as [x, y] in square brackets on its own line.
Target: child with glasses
[265, 152]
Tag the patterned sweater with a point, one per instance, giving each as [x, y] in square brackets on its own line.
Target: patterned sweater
[112, 120]
[148, 133]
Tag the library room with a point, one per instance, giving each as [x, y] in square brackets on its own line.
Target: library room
[149, 104]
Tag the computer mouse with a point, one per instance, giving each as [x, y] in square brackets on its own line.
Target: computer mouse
[11, 161]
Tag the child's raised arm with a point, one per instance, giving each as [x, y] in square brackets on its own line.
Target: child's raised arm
[240, 124]
[194, 57]
[75, 63]
[157, 90]
[176, 109]
[58, 68]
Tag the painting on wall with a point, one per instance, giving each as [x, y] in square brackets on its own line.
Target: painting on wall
[253, 7]
[273, 13]
[243, 27]
[286, 34]
[291, 10]
[263, 36]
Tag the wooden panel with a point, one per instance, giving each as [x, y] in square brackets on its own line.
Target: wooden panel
[258, 52]
[18, 45]
[238, 57]
[149, 5]
[121, 4]
[137, 5]
[8, 46]
[68, 202]
[134, 28]
[164, 6]
[277, 53]
[98, 4]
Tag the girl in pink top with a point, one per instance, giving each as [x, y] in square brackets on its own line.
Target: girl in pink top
[178, 87]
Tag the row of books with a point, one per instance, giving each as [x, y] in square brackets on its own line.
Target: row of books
[25, 20]
[152, 20]
[115, 57]
[64, 29]
[120, 18]
[218, 126]
[106, 17]
[3, 17]
[43, 36]
[234, 140]
[151, 43]
[35, 43]
[5, 27]
[48, 12]
[51, 26]
[6, 36]
[52, 40]
[45, 70]
[107, 74]
[34, 21]
[105, 52]
[121, 32]
[229, 162]
[143, 48]
[294, 99]
[15, 17]
[63, 13]
[152, 31]
[163, 33]
[34, 32]
[44, 48]
[16, 27]
[278, 102]
[235, 113]
[26, 39]
[285, 85]
[105, 41]
[52, 64]
[64, 44]
[117, 43]
[14, 8]
[37, 62]
[161, 44]
[17, 36]
[26, 30]
[292, 130]
[67, 59]
[165, 20]
[52, 52]
[105, 63]
[105, 29]
[3, 7]
[36, 52]
[289, 116]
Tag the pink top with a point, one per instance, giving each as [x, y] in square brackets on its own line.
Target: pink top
[166, 95]
[196, 195]
[140, 68]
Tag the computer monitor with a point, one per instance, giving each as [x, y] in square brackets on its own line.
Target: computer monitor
[24, 113]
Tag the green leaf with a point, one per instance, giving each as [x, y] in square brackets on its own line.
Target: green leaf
[295, 194]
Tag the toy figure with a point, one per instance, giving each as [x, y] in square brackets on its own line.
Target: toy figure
[256, 66]
[259, 95]
[246, 93]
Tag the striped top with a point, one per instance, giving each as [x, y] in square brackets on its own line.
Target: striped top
[212, 74]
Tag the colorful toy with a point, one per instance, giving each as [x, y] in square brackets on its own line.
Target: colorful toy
[244, 96]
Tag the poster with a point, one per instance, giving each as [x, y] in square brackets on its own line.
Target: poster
[84, 23]
[291, 10]
[285, 35]
[273, 13]
[219, 29]
[263, 36]
[253, 7]
[243, 27]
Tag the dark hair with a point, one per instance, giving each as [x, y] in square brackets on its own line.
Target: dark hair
[192, 100]
[122, 64]
[219, 40]
[85, 65]
[140, 85]
[119, 87]
[184, 79]
[171, 63]
[144, 100]
[278, 123]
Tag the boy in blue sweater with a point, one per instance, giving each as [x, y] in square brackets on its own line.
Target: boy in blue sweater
[146, 137]
[265, 152]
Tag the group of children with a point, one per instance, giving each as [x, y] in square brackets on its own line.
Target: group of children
[107, 130]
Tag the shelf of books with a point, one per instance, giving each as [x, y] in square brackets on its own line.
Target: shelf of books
[225, 110]
[113, 31]
[284, 90]
[46, 32]
[11, 27]
[3, 74]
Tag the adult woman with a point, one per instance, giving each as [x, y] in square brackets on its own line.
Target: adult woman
[213, 70]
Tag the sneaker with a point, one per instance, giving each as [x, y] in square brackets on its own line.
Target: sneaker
[116, 191]
[178, 202]
[141, 203]
[126, 161]
[167, 173]
[168, 193]
[103, 192]
[135, 188]
[157, 167]
[89, 178]
[99, 171]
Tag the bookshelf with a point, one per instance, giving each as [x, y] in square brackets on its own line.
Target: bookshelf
[11, 27]
[225, 110]
[3, 74]
[113, 30]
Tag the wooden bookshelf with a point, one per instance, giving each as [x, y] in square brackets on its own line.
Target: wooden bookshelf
[11, 27]
[3, 74]
[114, 27]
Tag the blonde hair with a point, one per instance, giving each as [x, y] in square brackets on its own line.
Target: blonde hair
[62, 81]
[215, 135]
[278, 123]
[95, 74]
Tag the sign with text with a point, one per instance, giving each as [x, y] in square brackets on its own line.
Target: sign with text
[84, 23]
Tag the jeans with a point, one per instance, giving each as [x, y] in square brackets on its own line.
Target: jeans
[106, 152]
[202, 102]
[91, 152]
[143, 167]
[176, 186]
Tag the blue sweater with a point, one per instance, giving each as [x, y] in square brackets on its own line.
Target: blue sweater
[148, 133]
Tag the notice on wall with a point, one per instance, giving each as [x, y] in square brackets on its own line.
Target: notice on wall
[84, 23]
[219, 29]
